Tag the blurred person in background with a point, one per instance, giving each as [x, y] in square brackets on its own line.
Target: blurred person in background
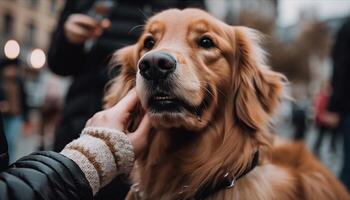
[88, 32]
[300, 105]
[13, 103]
[339, 105]
[320, 107]
[299, 119]
[49, 112]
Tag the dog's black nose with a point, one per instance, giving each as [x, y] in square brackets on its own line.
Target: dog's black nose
[157, 65]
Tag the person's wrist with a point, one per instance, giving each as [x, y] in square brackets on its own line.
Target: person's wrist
[101, 153]
[118, 144]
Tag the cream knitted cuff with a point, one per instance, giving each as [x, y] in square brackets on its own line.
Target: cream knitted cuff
[101, 153]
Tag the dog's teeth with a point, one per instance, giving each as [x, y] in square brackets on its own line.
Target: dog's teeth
[163, 98]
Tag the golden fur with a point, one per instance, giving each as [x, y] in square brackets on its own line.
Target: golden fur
[239, 95]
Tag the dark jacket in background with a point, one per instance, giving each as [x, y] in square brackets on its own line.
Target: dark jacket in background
[340, 98]
[89, 69]
[41, 176]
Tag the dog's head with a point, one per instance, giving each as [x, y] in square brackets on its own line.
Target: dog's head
[190, 68]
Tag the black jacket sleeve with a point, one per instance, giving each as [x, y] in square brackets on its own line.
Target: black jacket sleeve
[44, 176]
[65, 58]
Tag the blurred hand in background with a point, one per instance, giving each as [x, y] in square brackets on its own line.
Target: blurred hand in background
[330, 119]
[79, 27]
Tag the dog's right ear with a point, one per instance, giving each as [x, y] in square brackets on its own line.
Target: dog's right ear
[125, 62]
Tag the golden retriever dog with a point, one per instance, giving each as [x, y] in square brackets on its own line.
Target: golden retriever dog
[211, 98]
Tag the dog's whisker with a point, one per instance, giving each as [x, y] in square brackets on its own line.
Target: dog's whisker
[203, 87]
[219, 90]
[136, 27]
[143, 13]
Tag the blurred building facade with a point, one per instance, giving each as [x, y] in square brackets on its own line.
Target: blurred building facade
[30, 22]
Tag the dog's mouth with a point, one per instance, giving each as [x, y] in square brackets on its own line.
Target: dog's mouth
[168, 109]
[165, 102]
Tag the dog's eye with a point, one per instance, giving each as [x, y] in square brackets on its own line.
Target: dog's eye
[206, 42]
[149, 43]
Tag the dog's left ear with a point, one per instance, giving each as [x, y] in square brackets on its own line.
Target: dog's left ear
[125, 61]
[257, 89]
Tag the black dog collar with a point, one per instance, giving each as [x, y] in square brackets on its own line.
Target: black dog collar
[227, 181]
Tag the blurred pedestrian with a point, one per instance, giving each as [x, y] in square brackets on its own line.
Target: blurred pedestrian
[299, 119]
[320, 107]
[13, 103]
[339, 105]
[49, 112]
[88, 32]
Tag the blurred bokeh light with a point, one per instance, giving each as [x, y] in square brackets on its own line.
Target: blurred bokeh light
[37, 58]
[12, 49]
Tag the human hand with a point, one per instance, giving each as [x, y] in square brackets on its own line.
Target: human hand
[79, 27]
[330, 119]
[118, 117]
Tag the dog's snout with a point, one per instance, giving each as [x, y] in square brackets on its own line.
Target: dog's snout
[158, 65]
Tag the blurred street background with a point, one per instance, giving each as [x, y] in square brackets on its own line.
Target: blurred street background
[299, 38]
